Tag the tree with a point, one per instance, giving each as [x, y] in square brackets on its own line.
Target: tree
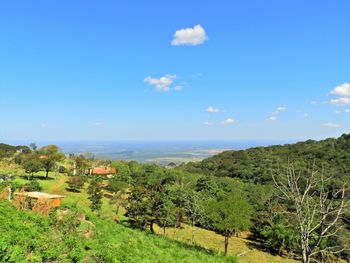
[95, 192]
[33, 146]
[318, 210]
[280, 235]
[118, 188]
[32, 166]
[194, 209]
[139, 207]
[81, 164]
[75, 183]
[166, 212]
[229, 216]
[49, 156]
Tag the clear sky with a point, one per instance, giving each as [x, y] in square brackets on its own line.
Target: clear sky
[174, 70]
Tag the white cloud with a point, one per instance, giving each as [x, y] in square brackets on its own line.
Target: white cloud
[331, 125]
[278, 110]
[340, 101]
[190, 36]
[212, 110]
[272, 118]
[228, 121]
[162, 84]
[342, 90]
[342, 111]
[97, 124]
[207, 123]
[305, 115]
[43, 125]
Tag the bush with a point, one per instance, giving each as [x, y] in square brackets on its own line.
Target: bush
[32, 186]
[75, 183]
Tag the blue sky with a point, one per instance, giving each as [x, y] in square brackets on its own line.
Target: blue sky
[119, 70]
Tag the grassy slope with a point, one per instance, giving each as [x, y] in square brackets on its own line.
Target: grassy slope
[29, 238]
[204, 238]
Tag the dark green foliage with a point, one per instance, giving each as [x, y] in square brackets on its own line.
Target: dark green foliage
[229, 216]
[281, 235]
[49, 156]
[32, 186]
[32, 166]
[95, 192]
[260, 163]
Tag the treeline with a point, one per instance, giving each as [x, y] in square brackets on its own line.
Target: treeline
[7, 150]
[260, 163]
[153, 195]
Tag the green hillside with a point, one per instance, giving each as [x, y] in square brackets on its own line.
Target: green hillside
[260, 163]
[28, 237]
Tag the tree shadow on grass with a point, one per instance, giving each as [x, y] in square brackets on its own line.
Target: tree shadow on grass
[36, 177]
[258, 244]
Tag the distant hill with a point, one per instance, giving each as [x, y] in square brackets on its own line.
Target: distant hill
[259, 163]
[7, 150]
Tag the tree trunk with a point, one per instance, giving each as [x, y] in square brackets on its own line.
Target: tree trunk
[9, 192]
[192, 237]
[151, 227]
[226, 245]
[47, 174]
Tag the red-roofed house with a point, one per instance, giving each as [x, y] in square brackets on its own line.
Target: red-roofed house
[107, 171]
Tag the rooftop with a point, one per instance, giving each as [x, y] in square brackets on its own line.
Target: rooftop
[38, 195]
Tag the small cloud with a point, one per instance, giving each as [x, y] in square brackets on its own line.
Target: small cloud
[97, 124]
[43, 125]
[342, 90]
[331, 125]
[207, 123]
[341, 111]
[161, 84]
[212, 110]
[306, 115]
[280, 109]
[228, 121]
[190, 36]
[340, 101]
[178, 88]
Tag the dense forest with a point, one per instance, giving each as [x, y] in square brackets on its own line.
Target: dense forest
[291, 200]
[260, 163]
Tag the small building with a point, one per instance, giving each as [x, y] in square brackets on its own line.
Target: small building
[104, 171]
[37, 201]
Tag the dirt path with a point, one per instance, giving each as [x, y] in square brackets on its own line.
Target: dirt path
[56, 188]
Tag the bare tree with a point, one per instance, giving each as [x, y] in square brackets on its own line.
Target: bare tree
[318, 210]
